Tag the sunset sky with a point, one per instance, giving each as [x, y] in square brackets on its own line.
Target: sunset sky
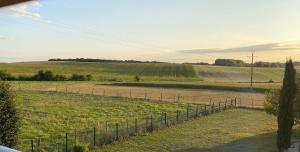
[165, 30]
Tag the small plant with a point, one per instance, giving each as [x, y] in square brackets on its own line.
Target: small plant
[80, 148]
[271, 81]
[137, 78]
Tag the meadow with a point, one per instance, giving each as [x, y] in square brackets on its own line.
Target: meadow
[49, 115]
[107, 71]
[48, 110]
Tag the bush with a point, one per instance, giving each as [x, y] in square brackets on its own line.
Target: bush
[44, 76]
[80, 148]
[77, 77]
[137, 78]
[89, 77]
[60, 78]
[9, 127]
[271, 101]
[6, 76]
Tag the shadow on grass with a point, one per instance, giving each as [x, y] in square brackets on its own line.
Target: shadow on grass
[258, 143]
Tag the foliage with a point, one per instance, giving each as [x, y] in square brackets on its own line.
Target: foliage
[80, 148]
[137, 78]
[9, 127]
[6, 76]
[285, 109]
[271, 101]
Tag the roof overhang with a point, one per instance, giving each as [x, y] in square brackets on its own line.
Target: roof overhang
[4, 3]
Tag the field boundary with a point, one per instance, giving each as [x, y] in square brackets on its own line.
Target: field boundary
[190, 86]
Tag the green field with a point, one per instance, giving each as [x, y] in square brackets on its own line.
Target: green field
[107, 71]
[50, 115]
[238, 74]
[234, 130]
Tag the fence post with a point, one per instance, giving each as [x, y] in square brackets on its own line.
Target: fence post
[225, 105]
[106, 126]
[197, 110]
[66, 143]
[219, 106]
[94, 137]
[136, 125]
[165, 118]
[75, 138]
[151, 124]
[213, 108]
[32, 145]
[210, 101]
[130, 93]
[205, 110]
[146, 119]
[177, 116]
[127, 126]
[235, 101]
[117, 132]
[187, 112]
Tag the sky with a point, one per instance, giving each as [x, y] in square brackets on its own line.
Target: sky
[168, 30]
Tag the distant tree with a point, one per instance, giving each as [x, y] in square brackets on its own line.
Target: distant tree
[9, 127]
[77, 77]
[89, 77]
[137, 78]
[285, 116]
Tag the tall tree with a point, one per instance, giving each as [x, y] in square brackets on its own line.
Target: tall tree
[285, 116]
[8, 116]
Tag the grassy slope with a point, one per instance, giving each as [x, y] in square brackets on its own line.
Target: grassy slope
[235, 130]
[238, 74]
[107, 71]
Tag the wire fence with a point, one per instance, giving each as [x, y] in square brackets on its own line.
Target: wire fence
[113, 132]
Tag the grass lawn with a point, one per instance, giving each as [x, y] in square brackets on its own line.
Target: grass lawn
[234, 130]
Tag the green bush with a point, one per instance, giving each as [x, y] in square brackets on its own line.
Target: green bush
[9, 126]
[6, 76]
[80, 148]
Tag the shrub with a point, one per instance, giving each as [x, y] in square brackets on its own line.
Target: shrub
[137, 78]
[89, 77]
[77, 77]
[6, 76]
[60, 78]
[9, 127]
[80, 148]
[271, 101]
[44, 76]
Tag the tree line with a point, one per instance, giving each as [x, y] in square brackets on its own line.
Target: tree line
[103, 60]
[45, 76]
[241, 63]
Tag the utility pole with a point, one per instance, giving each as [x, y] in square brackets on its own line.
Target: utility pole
[251, 81]
[252, 68]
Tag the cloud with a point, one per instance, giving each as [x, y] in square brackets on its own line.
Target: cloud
[3, 37]
[24, 9]
[284, 46]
